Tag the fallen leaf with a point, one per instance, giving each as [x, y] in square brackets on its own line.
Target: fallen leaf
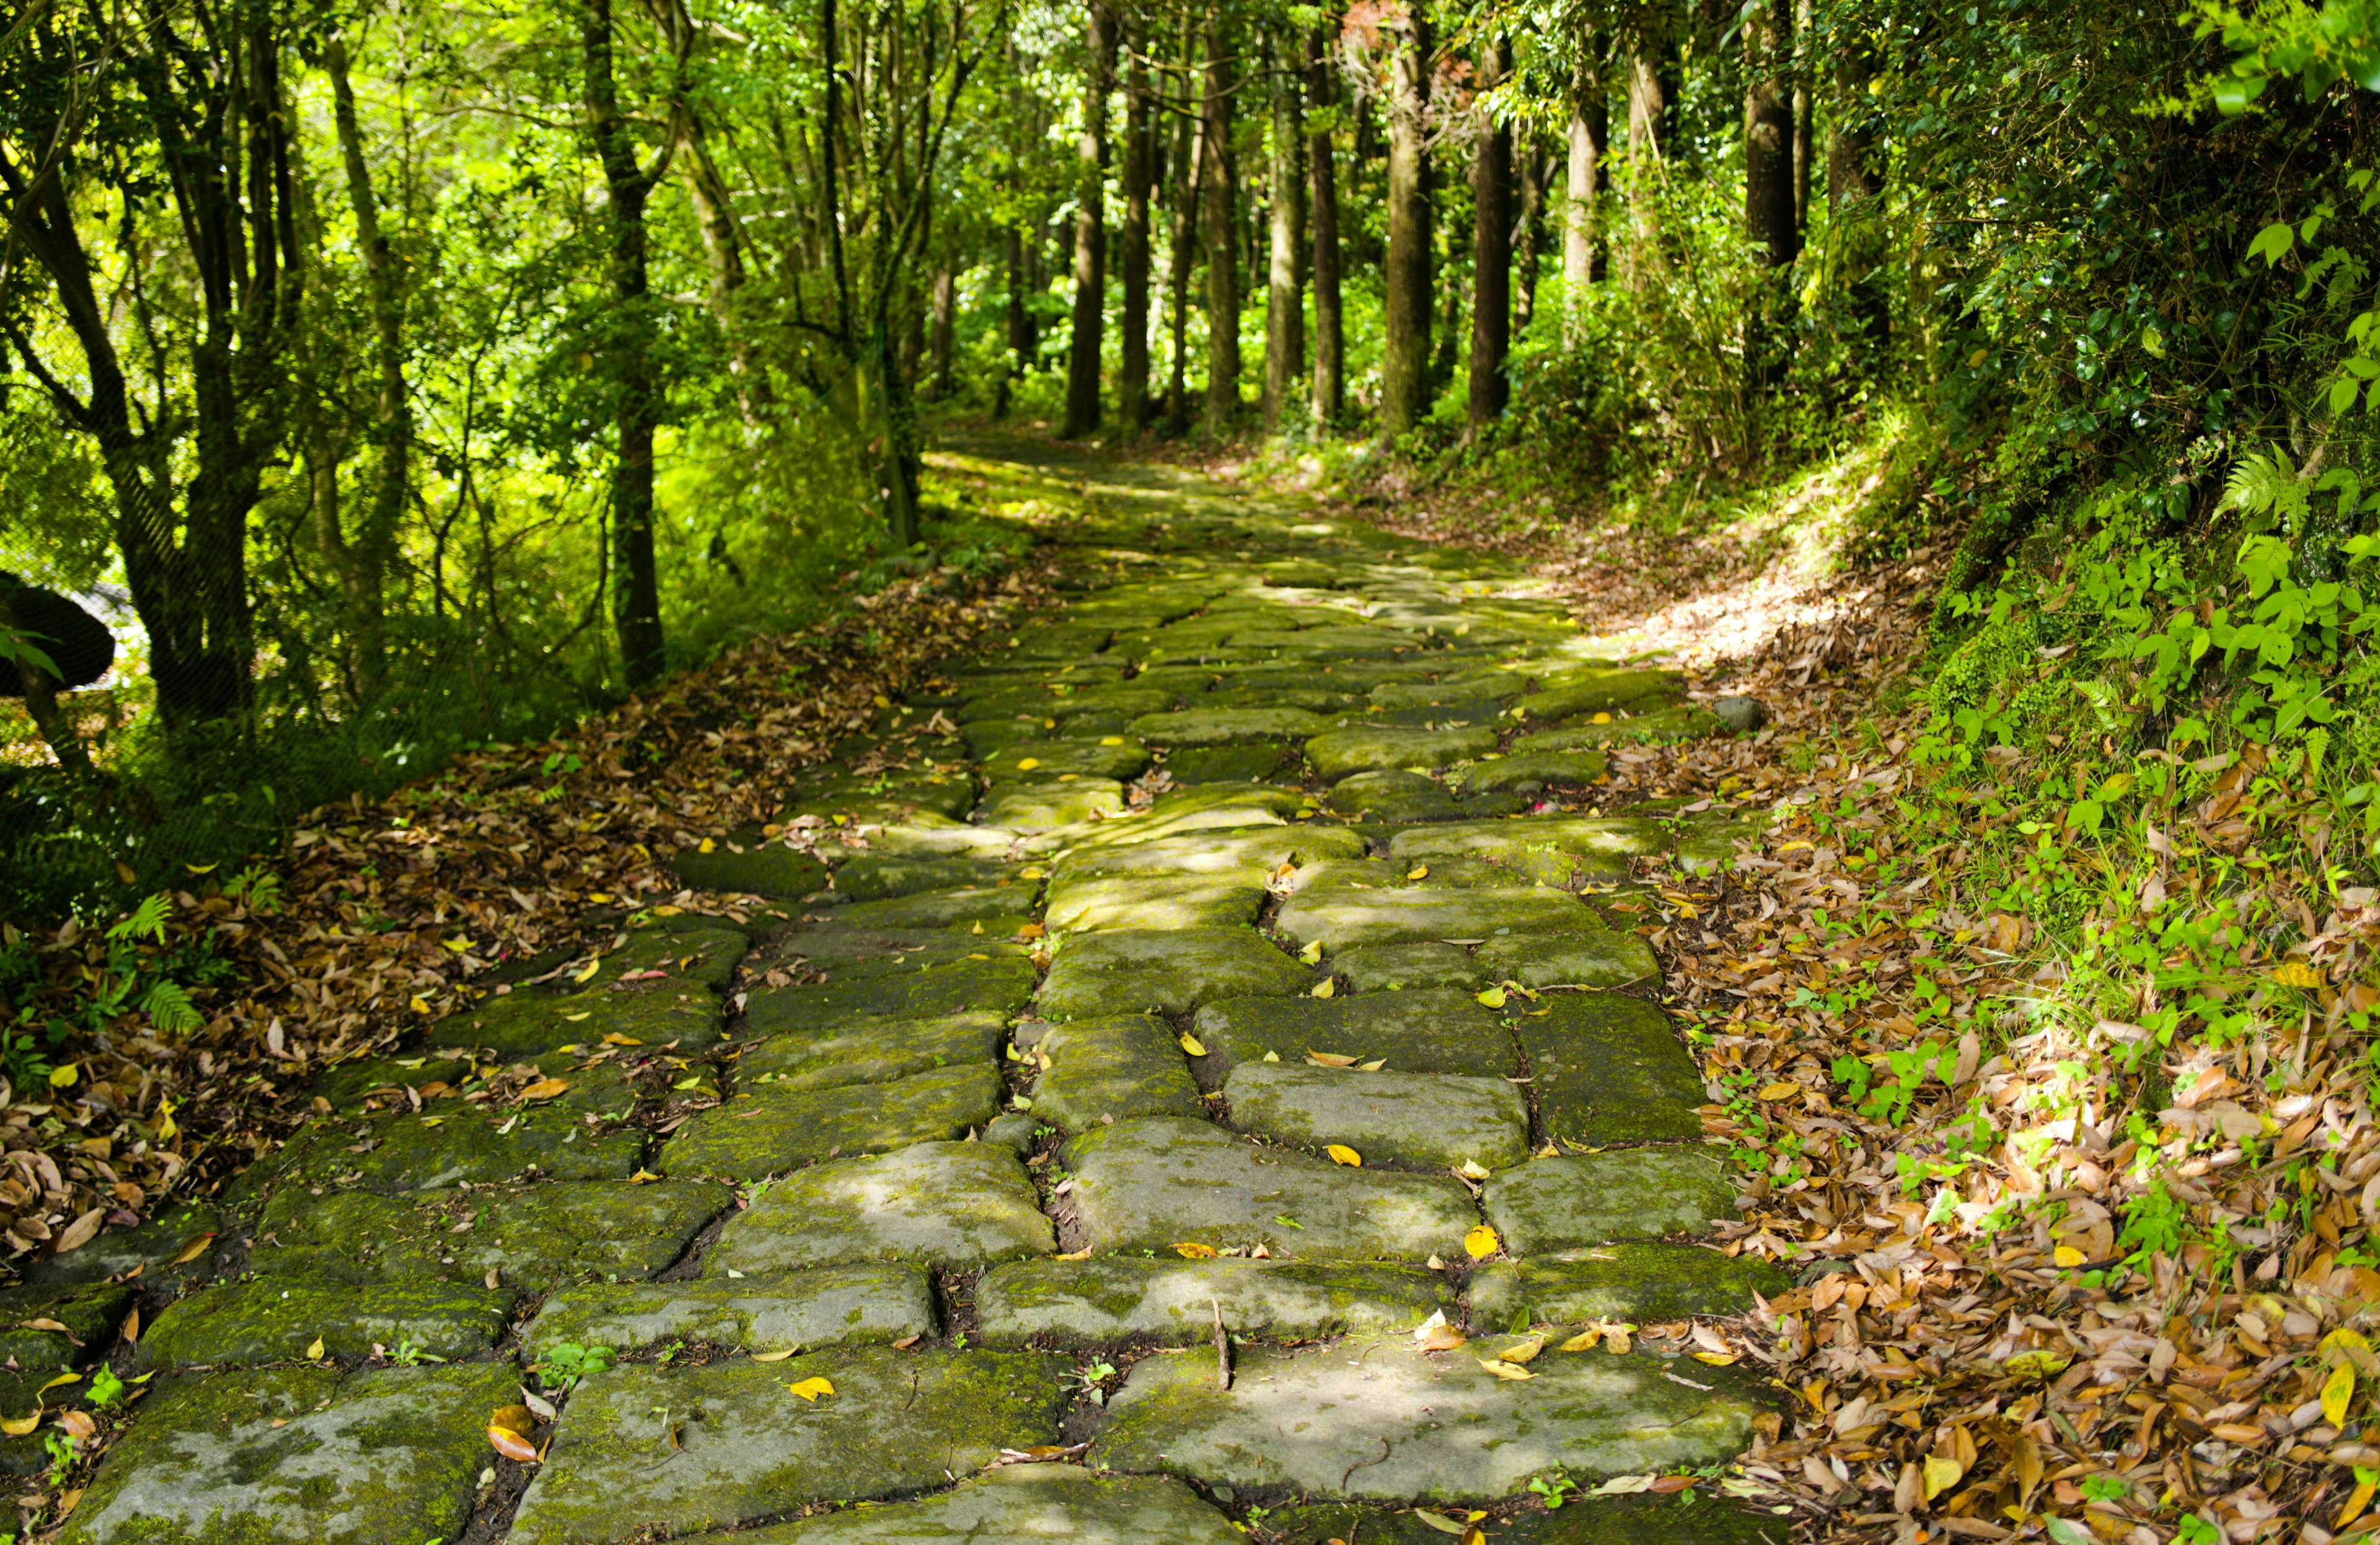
[1194, 1251]
[1328, 1059]
[1493, 997]
[1941, 1474]
[778, 1356]
[514, 1418]
[18, 1427]
[1780, 1091]
[2298, 974]
[75, 1235]
[1326, 988]
[1437, 1521]
[511, 1444]
[1524, 1351]
[1193, 1045]
[191, 1251]
[614, 1037]
[1419, 871]
[812, 1388]
[44, 1324]
[544, 1088]
[586, 972]
[1342, 1154]
[78, 1425]
[2337, 1391]
[1481, 1243]
[1503, 1369]
[1585, 1341]
[1311, 954]
[314, 1350]
[2066, 1254]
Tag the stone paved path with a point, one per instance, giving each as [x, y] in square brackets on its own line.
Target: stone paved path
[1144, 982]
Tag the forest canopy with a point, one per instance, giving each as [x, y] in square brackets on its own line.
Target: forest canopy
[392, 378]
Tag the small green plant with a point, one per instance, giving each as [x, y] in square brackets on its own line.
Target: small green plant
[107, 1389]
[1092, 1375]
[566, 1362]
[2106, 1488]
[670, 1352]
[1554, 1486]
[60, 1447]
[2196, 1530]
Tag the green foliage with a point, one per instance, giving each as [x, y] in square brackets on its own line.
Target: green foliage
[566, 1362]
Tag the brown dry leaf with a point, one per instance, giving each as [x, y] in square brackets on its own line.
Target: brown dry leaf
[511, 1444]
[777, 1356]
[76, 1235]
[44, 1325]
[198, 1245]
[1192, 1250]
[78, 1425]
[544, 1088]
[1328, 1059]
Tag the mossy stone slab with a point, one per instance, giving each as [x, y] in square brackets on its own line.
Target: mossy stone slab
[1638, 1520]
[455, 1144]
[1603, 692]
[768, 869]
[1210, 808]
[876, 877]
[1638, 1284]
[1037, 806]
[20, 1395]
[152, 1245]
[1022, 1502]
[1157, 1183]
[534, 1239]
[738, 1447]
[998, 910]
[300, 1456]
[1373, 748]
[1592, 956]
[689, 948]
[1468, 687]
[1121, 761]
[1529, 772]
[1260, 850]
[378, 1083]
[1710, 848]
[245, 1324]
[997, 984]
[1393, 794]
[1112, 1068]
[1173, 1301]
[834, 1306]
[528, 1023]
[847, 954]
[89, 1313]
[1593, 1199]
[1426, 1030]
[873, 1051]
[935, 837]
[1374, 1418]
[1608, 1068]
[956, 1205]
[1086, 903]
[1229, 764]
[1404, 967]
[773, 1129]
[1656, 726]
[1345, 918]
[1417, 1120]
[1229, 726]
[1170, 971]
[1593, 844]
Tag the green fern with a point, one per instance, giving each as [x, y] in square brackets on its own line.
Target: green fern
[148, 920]
[2267, 489]
[170, 1009]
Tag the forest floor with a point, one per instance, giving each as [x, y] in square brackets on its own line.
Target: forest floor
[1295, 1038]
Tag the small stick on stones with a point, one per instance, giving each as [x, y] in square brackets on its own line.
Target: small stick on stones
[1222, 1348]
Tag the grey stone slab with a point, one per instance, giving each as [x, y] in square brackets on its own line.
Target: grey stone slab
[1158, 900]
[1112, 757]
[872, 1051]
[1689, 1518]
[1171, 972]
[1345, 919]
[1230, 764]
[531, 1022]
[687, 946]
[1608, 1068]
[86, 1316]
[1469, 687]
[1593, 957]
[956, 1205]
[1552, 848]
[1402, 967]
[1208, 808]
[1602, 691]
[1593, 1199]
[1228, 726]
[996, 911]
[876, 877]
[773, 1129]
[1376, 1418]
[243, 1324]
[1174, 1301]
[299, 1456]
[1417, 1120]
[454, 1143]
[1037, 806]
[1262, 849]
[735, 1445]
[1111, 1068]
[535, 1237]
[1636, 1284]
[1529, 772]
[1393, 795]
[1372, 748]
[1653, 726]
[1023, 1502]
[997, 984]
[150, 1245]
[768, 868]
[790, 1312]
[1157, 1183]
[1437, 1031]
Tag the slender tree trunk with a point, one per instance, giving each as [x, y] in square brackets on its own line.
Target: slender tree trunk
[1219, 203]
[1492, 249]
[1855, 196]
[1531, 165]
[1406, 363]
[1590, 146]
[1330, 345]
[635, 383]
[1768, 183]
[1652, 106]
[1804, 153]
[1020, 320]
[943, 341]
[1189, 150]
[1139, 174]
[1083, 348]
[1284, 287]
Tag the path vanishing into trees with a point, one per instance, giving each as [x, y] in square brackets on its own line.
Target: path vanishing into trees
[1191, 1071]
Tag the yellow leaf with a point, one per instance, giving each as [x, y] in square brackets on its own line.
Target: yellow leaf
[1083, 1253]
[2357, 1500]
[586, 972]
[1328, 1059]
[513, 1419]
[44, 1324]
[122, 872]
[642, 1177]
[419, 1004]
[1524, 1351]
[1373, 1066]
[64, 1075]
[191, 1251]
[1194, 1252]
[61, 1379]
[1602, 719]
[18, 1427]
[1502, 1369]
[2066, 1254]
[1442, 1338]
[1342, 1154]
[1493, 997]
[1941, 1475]
[2298, 974]
[1717, 1359]
[314, 1350]
[1028, 764]
[1312, 953]
[2336, 1391]
[1327, 987]
[603, 899]
[1193, 1045]
[708, 846]
[812, 1388]
[1110, 740]
[1584, 1342]
[1419, 871]
[773, 1356]
[1481, 1243]
[511, 1444]
[1780, 1091]
[200, 868]
[545, 1089]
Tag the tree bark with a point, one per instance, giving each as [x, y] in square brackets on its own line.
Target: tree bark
[1530, 166]
[635, 383]
[1590, 146]
[1284, 271]
[942, 340]
[1855, 195]
[1406, 363]
[1189, 148]
[1139, 175]
[1804, 150]
[1491, 249]
[1329, 338]
[1019, 320]
[1090, 231]
[1769, 186]
[1218, 202]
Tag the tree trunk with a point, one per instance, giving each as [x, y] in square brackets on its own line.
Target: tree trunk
[1219, 201]
[1330, 345]
[1020, 320]
[1492, 249]
[1139, 174]
[1804, 152]
[1189, 146]
[1530, 166]
[1405, 361]
[1855, 195]
[1284, 288]
[1090, 231]
[1590, 146]
[635, 383]
[942, 344]
[1769, 184]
